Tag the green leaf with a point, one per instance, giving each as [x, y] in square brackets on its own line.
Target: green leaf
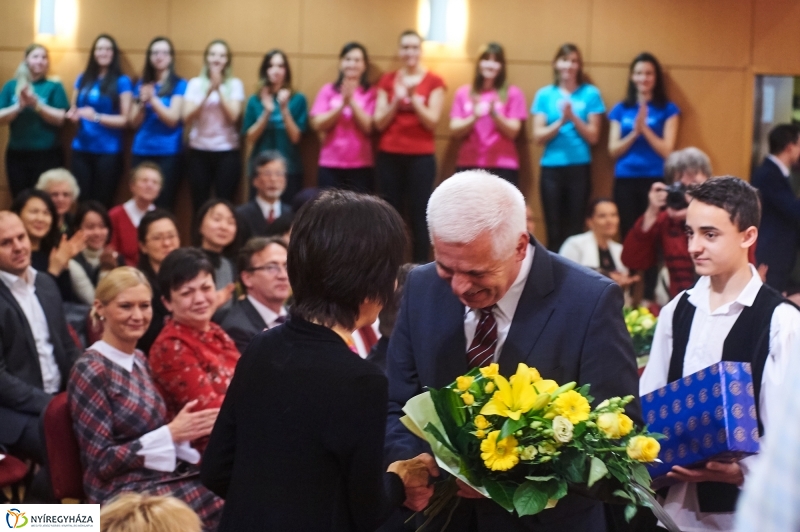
[597, 470]
[431, 428]
[622, 494]
[529, 499]
[630, 511]
[501, 492]
[541, 479]
[510, 427]
[640, 474]
[560, 490]
[448, 406]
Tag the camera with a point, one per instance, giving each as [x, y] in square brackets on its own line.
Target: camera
[676, 196]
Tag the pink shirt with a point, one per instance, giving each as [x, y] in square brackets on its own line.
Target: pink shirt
[486, 147]
[344, 145]
[211, 129]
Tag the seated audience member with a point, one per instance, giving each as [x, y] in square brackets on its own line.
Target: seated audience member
[51, 250]
[216, 232]
[268, 177]
[97, 259]
[728, 315]
[145, 186]
[133, 512]
[596, 248]
[262, 271]
[63, 189]
[119, 417]
[777, 237]
[660, 230]
[387, 318]
[36, 351]
[158, 237]
[192, 358]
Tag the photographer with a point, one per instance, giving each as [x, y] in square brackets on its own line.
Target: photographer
[661, 227]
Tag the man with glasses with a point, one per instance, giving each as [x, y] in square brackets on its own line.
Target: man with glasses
[265, 214]
[262, 267]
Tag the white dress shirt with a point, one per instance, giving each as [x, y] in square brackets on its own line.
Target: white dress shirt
[24, 291]
[267, 207]
[704, 348]
[267, 314]
[159, 451]
[505, 308]
[134, 213]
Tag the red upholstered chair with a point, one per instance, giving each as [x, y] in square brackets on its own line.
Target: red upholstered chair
[62, 451]
[12, 472]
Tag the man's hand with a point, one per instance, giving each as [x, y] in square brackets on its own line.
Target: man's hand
[467, 492]
[415, 474]
[713, 472]
[622, 279]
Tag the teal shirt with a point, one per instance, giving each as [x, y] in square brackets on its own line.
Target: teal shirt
[28, 131]
[274, 136]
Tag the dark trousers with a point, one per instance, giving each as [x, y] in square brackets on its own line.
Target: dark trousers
[358, 179]
[98, 175]
[23, 167]
[509, 174]
[171, 170]
[565, 193]
[630, 195]
[408, 179]
[220, 170]
[30, 445]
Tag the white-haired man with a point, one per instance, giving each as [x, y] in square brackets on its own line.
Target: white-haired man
[494, 294]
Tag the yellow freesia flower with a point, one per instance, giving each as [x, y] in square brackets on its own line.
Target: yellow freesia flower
[642, 448]
[489, 388]
[535, 377]
[546, 386]
[480, 434]
[468, 398]
[463, 383]
[614, 424]
[481, 422]
[490, 371]
[499, 455]
[511, 400]
[572, 406]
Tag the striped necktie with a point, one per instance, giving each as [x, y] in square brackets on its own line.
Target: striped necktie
[481, 351]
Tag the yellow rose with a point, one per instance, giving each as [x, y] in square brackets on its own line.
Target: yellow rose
[643, 448]
[489, 388]
[572, 406]
[468, 398]
[481, 422]
[463, 383]
[490, 371]
[528, 453]
[614, 425]
[546, 386]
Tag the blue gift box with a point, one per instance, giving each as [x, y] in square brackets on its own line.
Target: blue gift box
[708, 415]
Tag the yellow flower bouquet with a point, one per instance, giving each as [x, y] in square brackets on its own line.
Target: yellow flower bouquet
[641, 324]
[525, 441]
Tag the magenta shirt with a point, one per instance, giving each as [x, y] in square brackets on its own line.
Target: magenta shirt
[344, 145]
[486, 147]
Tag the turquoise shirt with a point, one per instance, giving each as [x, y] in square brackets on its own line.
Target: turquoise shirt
[29, 131]
[274, 136]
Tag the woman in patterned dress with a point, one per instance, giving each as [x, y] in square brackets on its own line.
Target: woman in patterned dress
[128, 441]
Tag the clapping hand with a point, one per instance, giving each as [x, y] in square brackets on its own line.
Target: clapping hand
[568, 115]
[415, 474]
[66, 250]
[27, 98]
[267, 100]
[108, 259]
[283, 97]
[87, 113]
[640, 122]
[348, 89]
[188, 425]
[146, 92]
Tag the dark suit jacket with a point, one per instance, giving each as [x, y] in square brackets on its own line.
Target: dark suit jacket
[568, 324]
[298, 444]
[21, 387]
[253, 222]
[778, 233]
[242, 323]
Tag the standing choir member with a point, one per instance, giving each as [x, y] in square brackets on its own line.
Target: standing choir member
[100, 106]
[211, 109]
[342, 115]
[34, 108]
[409, 106]
[156, 114]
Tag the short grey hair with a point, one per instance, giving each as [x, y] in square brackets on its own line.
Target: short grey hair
[473, 202]
[59, 175]
[689, 159]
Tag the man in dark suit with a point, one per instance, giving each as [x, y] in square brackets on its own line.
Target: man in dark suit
[265, 214]
[262, 270]
[495, 294]
[36, 350]
[780, 209]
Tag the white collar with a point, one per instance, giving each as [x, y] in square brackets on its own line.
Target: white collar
[507, 305]
[267, 314]
[9, 279]
[700, 293]
[784, 170]
[134, 212]
[116, 356]
[266, 206]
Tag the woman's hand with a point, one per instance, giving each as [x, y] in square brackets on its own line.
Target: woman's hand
[66, 250]
[640, 123]
[267, 100]
[108, 259]
[188, 425]
[348, 89]
[87, 113]
[216, 80]
[283, 98]
[567, 111]
[415, 474]
[146, 92]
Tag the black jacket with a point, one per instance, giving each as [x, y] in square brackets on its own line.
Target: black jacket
[252, 218]
[242, 323]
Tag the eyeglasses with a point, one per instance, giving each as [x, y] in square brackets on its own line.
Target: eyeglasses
[272, 268]
[163, 237]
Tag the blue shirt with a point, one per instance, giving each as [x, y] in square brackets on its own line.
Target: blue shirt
[567, 147]
[154, 137]
[97, 138]
[641, 160]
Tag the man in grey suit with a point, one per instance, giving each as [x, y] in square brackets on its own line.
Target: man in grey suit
[494, 294]
[262, 270]
[36, 350]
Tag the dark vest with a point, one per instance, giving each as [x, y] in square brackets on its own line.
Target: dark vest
[748, 341]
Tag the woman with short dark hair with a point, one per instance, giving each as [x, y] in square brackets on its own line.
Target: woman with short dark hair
[93, 263]
[302, 380]
[216, 232]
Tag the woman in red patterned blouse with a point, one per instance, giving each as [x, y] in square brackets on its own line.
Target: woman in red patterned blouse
[192, 358]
